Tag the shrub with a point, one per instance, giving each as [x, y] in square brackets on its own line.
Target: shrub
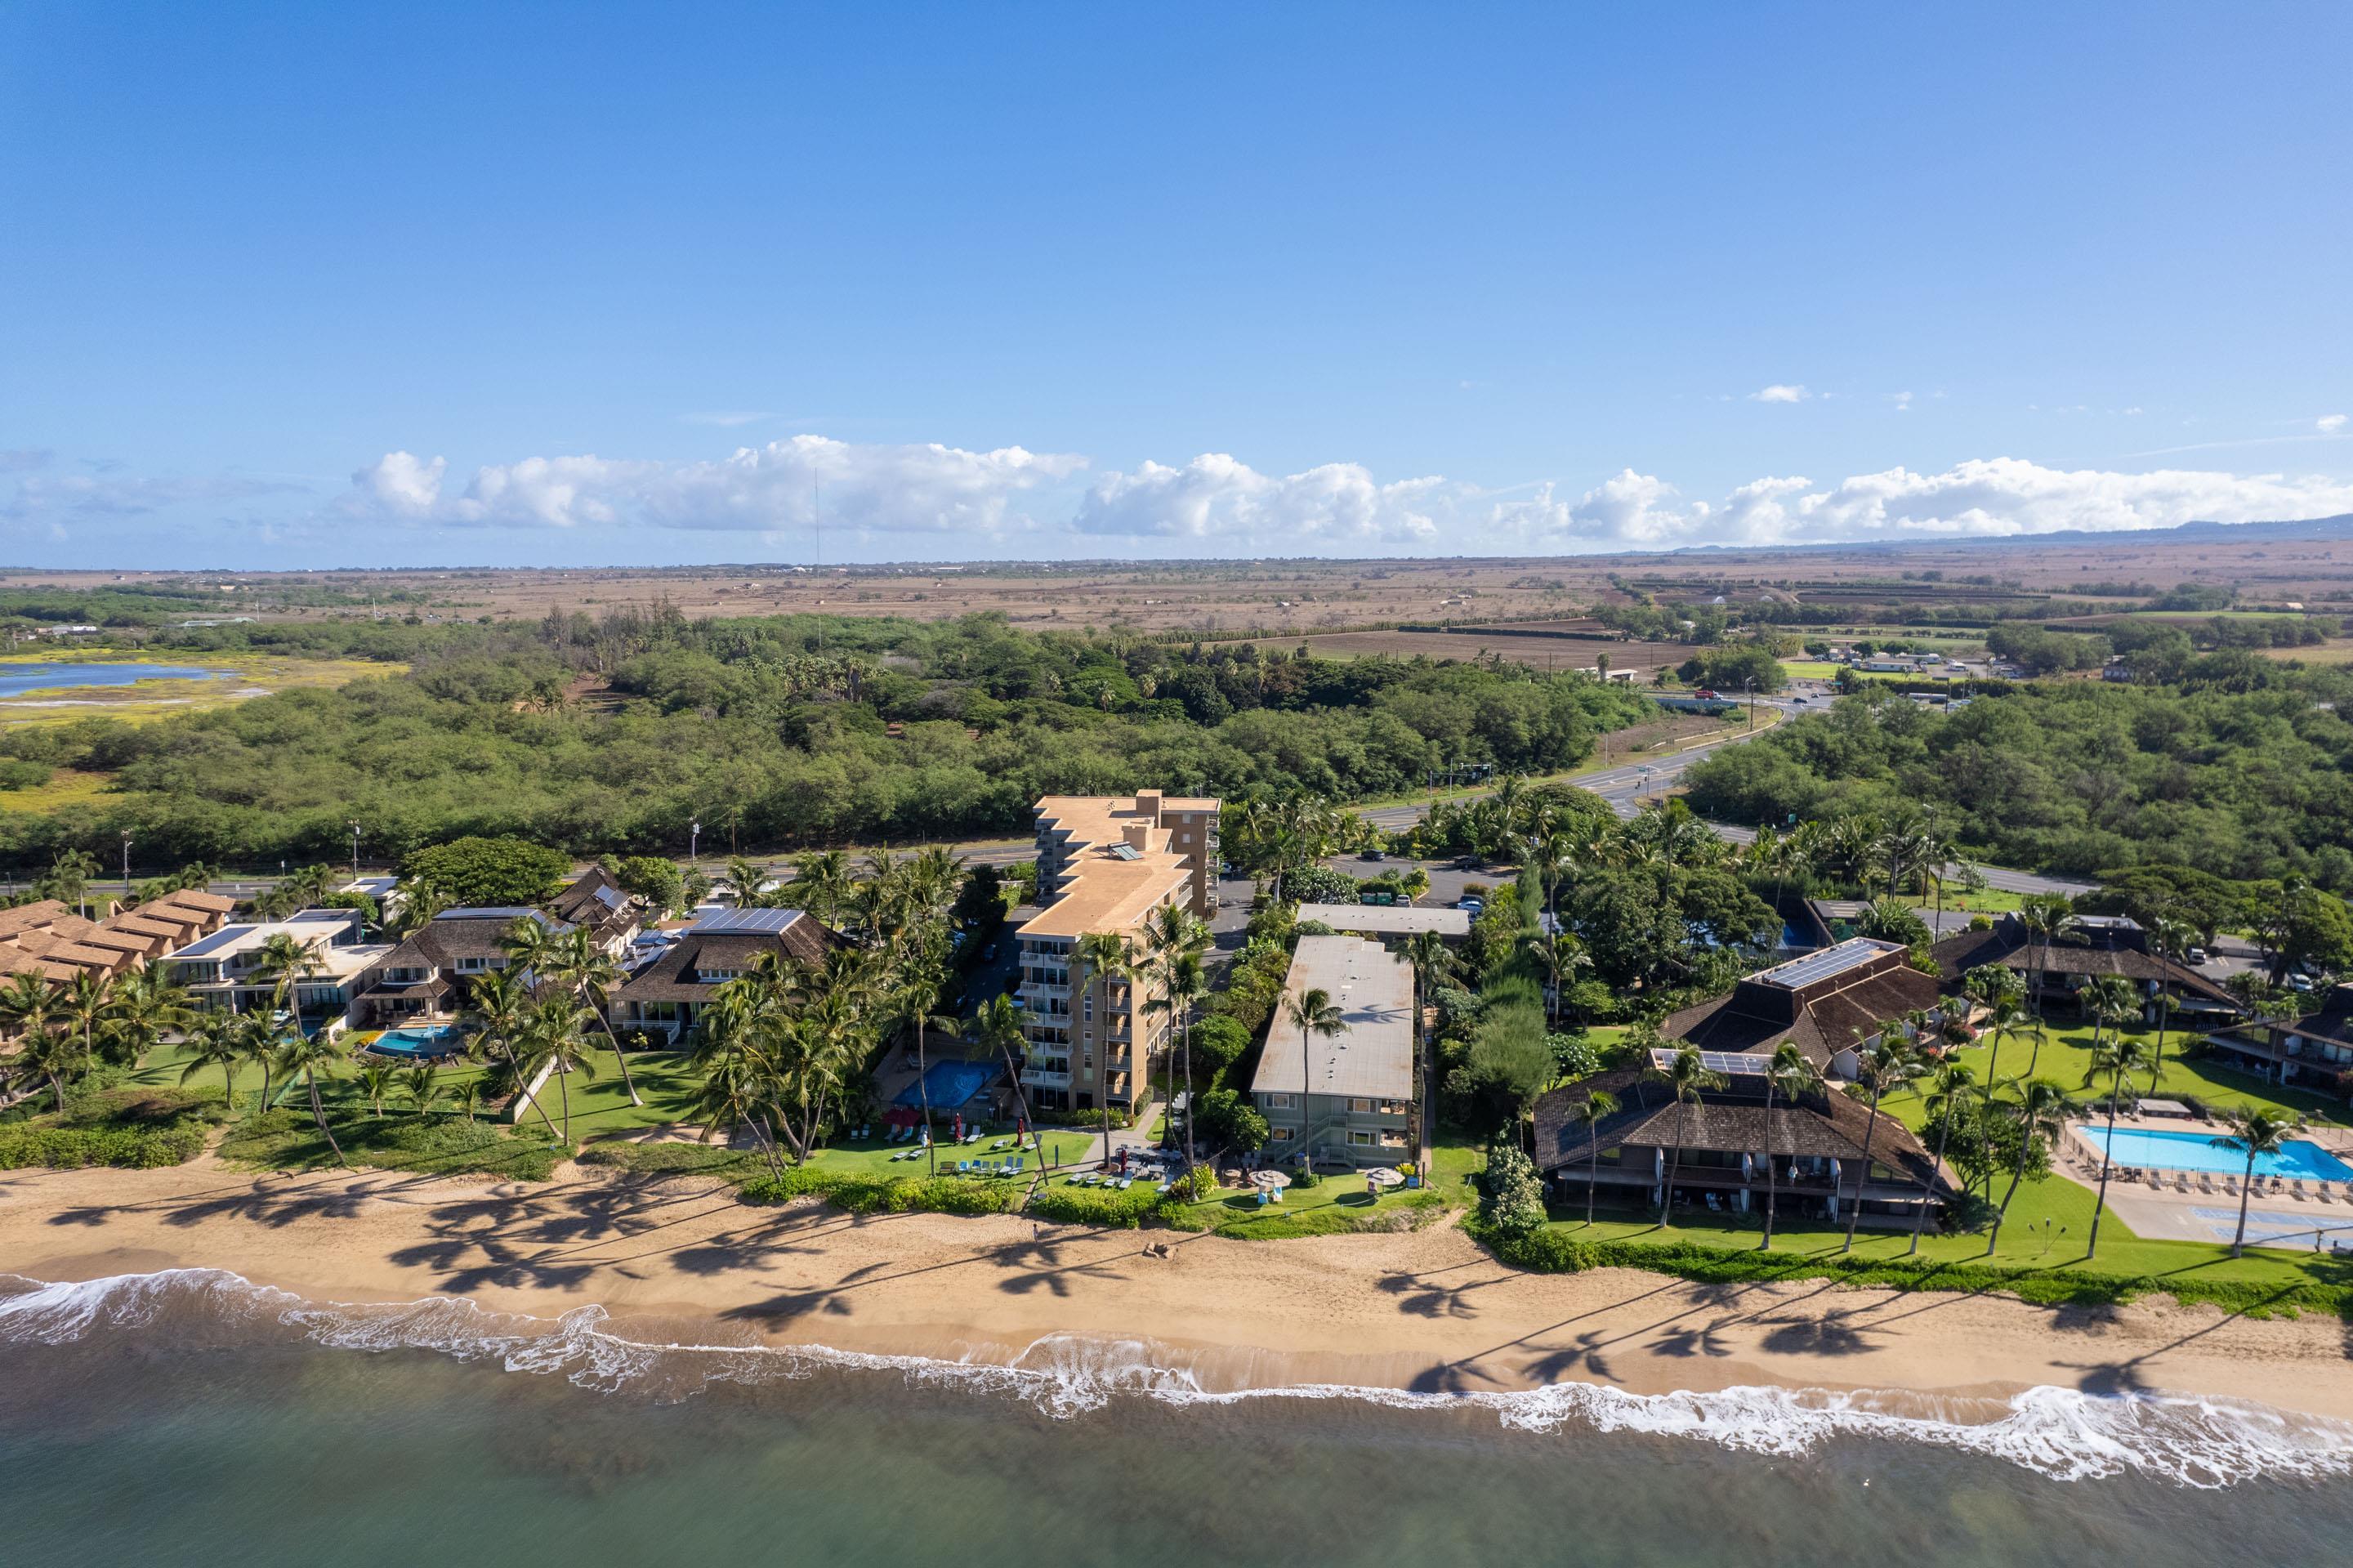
[1094, 1206]
[1510, 1198]
[72, 1147]
[861, 1194]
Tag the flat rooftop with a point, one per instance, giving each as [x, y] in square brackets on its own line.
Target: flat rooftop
[1372, 1057]
[1389, 919]
[314, 929]
[1106, 891]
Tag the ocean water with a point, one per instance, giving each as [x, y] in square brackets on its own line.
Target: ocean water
[192, 1418]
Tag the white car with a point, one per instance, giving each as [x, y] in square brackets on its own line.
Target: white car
[1475, 905]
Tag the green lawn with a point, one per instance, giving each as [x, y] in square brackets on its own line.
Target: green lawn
[2050, 1218]
[1337, 1204]
[2066, 1056]
[1810, 669]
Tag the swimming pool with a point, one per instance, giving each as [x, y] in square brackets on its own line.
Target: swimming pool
[2199, 1151]
[437, 1040]
[950, 1083]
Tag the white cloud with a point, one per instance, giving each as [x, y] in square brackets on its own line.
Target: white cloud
[1217, 496]
[2330, 424]
[1902, 401]
[1218, 501]
[87, 497]
[782, 485]
[1778, 393]
[726, 419]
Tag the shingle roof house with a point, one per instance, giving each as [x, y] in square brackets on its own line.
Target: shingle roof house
[667, 996]
[1826, 1001]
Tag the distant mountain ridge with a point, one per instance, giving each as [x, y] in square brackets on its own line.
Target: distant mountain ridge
[2339, 527]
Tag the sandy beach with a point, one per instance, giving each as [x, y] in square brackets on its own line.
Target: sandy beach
[1423, 1310]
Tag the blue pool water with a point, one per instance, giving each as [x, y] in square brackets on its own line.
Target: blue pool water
[438, 1040]
[2197, 1152]
[950, 1083]
[17, 679]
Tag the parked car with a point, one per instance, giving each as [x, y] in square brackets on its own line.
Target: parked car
[2194, 955]
[1704, 695]
[2299, 982]
[1376, 854]
[1473, 905]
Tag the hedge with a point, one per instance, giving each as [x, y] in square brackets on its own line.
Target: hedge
[886, 1195]
[70, 1148]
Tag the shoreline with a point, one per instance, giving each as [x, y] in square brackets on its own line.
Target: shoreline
[682, 1261]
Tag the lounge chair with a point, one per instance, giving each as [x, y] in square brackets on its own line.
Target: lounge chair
[1126, 1183]
[1262, 1197]
[999, 1144]
[1013, 1167]
[1163, 1189]
[2324, 1191]
[2295, 1190]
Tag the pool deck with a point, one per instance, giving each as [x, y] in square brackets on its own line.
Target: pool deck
[2169, 1214]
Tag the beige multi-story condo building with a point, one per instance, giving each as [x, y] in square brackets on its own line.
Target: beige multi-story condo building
[1105, 865]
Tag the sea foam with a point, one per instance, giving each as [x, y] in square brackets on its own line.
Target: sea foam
[2065, 1434]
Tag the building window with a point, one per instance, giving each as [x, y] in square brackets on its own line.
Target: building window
[1280, 1134]
[1359, 1106]
[1277, 1102]
[1360, 1137]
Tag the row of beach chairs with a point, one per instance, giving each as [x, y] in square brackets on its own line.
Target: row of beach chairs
[2225, 1185]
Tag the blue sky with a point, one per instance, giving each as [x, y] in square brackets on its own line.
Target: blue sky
[330, 286]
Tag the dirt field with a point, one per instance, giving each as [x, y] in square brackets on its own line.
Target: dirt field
[1288, 599]
[1537, 652]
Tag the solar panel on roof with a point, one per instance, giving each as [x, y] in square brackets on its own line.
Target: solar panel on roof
[1123, 852]
[1829, 961]
[770, 921]
[488, 912]
[1731, 1063]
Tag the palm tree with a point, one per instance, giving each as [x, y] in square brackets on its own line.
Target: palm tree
[577, 962]
[468, 1095]
[81, 1003]
[2042, 1117]
[2115, 1059]
[2172, 939]
[2047, 917]
[999, 1025]
[212, 1042]
[2257, 1130]
[552, 1035]
[1184, 985]
[1105, 962]
[917, 1005]
[499, 1006]
[1953, 1081]
[1793, 1077]
[56, 1054]
[1589, 1113]
[27, 1004]
[257, 1042]
[825, 877]
[1888, 1062]
[285, 963]
[311, 1056]
[147, 1005]
[2005, 1016]
[375, 1082]
[1433, 962]
[1685, 1076]
[1312, 1013]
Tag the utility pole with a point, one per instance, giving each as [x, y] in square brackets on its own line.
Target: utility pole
[355, 849]
[126, 866]
[693, 835]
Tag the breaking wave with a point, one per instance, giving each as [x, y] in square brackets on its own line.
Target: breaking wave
[2064, 1433]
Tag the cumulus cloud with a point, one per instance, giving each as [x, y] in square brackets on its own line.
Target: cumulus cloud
[1218, 501]
[1780, 392]
[1902, 401]
[1217, 496]
[1992, 497]
[2330, 424]
[783, 484]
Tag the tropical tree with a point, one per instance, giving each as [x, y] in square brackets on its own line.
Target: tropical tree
[1105, 960]
[824, 878]
[574, 961]
[2255, 1130]
[498, 1007]
[1433, 963]
[1312, 1013]
[147, 1005]
[1589, 1113]
[285, 963]
[552, 1036]
[308, 1056]
[1184, 985]
[467, 1094]
[211, 1042]
[27, 1003]
[2040, 1113]
[1000, 1025]
[376, 1080]
[2172, 938]
[1953, 1081]
[2048, 918]
[1686, 1077]
[54, 1055]
[1888, 1062]
[81, 1003]
[257, 1040]
[1791, 1076]
[916, 1006]
[2115, 1059]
